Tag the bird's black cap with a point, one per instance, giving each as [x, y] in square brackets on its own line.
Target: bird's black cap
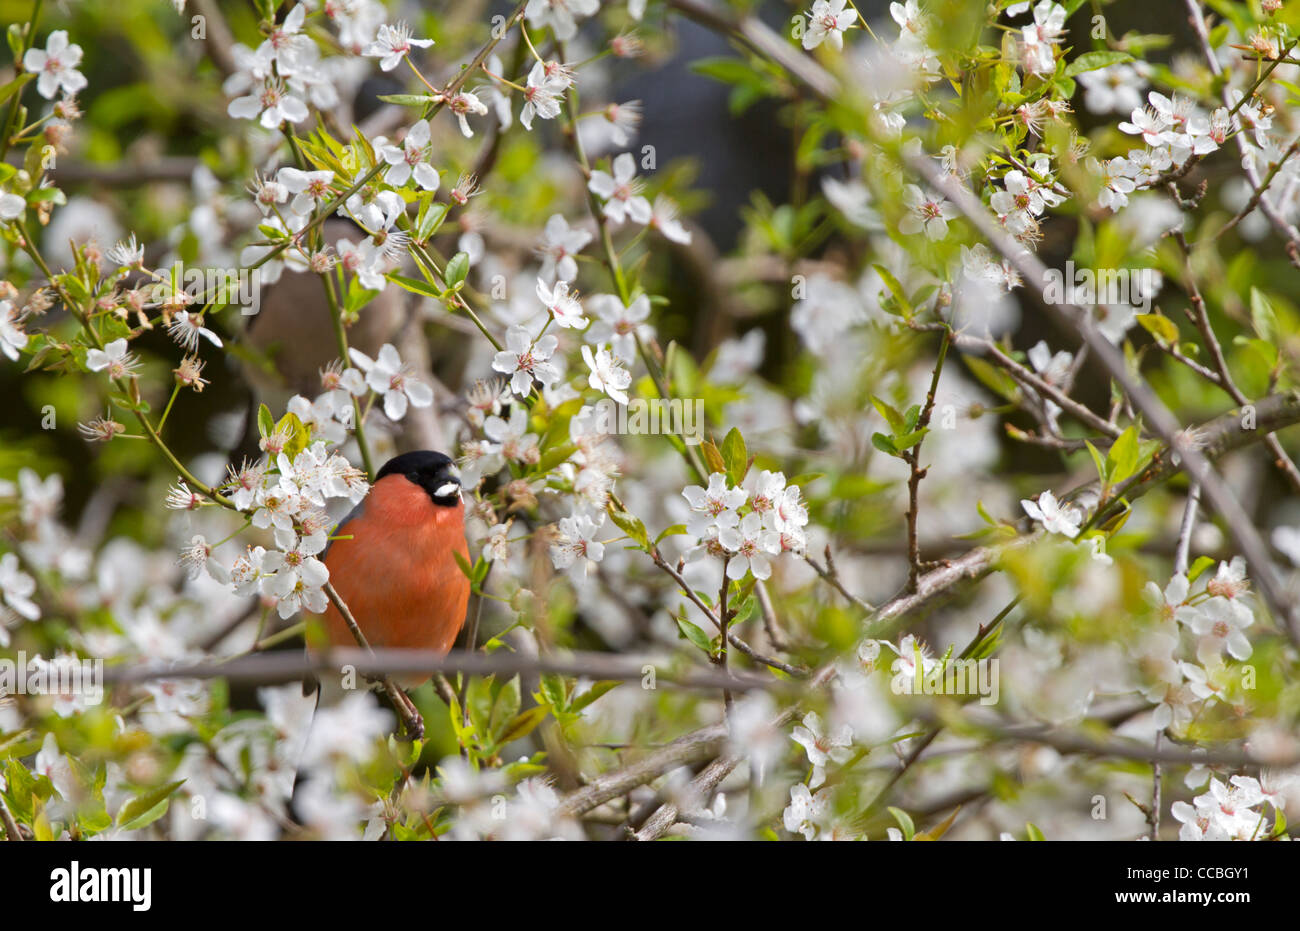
[432, 471]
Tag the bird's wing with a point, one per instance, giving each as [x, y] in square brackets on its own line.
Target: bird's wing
[353, 514]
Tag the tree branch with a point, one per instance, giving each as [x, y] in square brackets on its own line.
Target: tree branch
[274, 668]
[1161, 420]
[403, 705]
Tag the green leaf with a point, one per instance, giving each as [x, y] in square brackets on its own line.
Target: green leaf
[1031, 830]
[631, 525]
[712, 458]
[41, 827]
[125, 403]
[457, 269]
[895, 289]
[904, 821]
[480, 699]
[522, 724]
[749, 83]
[1266, 352]
[993, 378]
[147, 807]
[415, 286]
[299, 435]
[553, 457]
[745, 611]
[265, 422]
[1202, 563]
[1279, 822]
[735, 456]
[24, 789]
[727, 70]
[940, 829]
[95, 818]
[14, 36]
[909, 440]
[675, 530]
[1092, 61]
[51, 194]
[1263, 317]
[1159, 326]
[358, 296]
[454, 714]
[406, 100]
[554, 690]
[505, 708]
[1122, 459]
[1097, 461]
[15, 85]
[884, 444]
[890, 414]
[695, 635]
[597, 689]
[430, 221]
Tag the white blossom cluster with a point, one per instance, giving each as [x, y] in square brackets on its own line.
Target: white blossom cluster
[1217, 618]
[286, 496]
[1228, 812]
[772, 522]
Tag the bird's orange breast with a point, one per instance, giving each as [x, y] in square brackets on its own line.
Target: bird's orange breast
[395, 571]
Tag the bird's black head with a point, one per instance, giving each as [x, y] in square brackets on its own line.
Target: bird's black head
[433, 472]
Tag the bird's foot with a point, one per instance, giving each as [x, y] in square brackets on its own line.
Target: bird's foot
[415, 726]
[412, 720]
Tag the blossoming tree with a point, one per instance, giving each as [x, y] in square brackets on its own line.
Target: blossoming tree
[964, 546]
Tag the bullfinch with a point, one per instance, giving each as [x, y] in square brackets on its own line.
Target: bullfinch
[391, 560]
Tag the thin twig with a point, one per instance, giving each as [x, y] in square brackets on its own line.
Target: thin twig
[691, 748]
[1185, 530]
[1026, 376]
[724, 626]
[411, 719]
[913, 459]
[732, 639]
[770, 625]
[832, 578]
[12, 831]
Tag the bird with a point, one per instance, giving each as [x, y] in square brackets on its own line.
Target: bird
[392, 563]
